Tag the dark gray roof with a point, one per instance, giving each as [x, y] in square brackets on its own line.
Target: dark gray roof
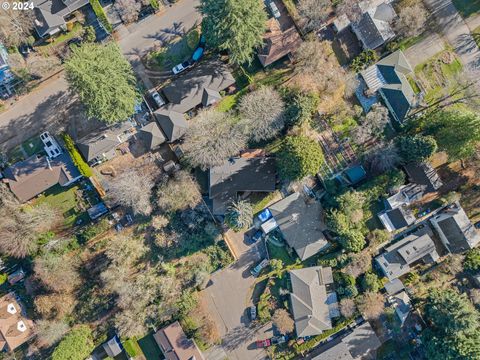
[373, 28]
[187, 92]
[37, 174]
[172, 123]
[112, 347]
[397, 218]
[240, 174]
[309, 300]
[455, 229]
[397, 258]
[394, 287]
[301, 222]
[424, 174]
[103, 140]
[50, 14]
[151, 135]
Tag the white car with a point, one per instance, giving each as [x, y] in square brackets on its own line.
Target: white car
[274, 9]
[177, 69]
[157, 98]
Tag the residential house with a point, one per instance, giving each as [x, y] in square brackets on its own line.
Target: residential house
[101, 145]
[151, 135]
[401, 303]
[300, 220]
[360, 344]
[237, 175]
[374, 27]
[113, 347]
[455, 230]
[277, 43]
[309, 300]
[6, 76]
[399, 258]
[15, 328]
[397, 214]
[31, 177]
[175, 345]
[394, 286]
[200, 86]
[424, 174]
[388, 78]
[51, 15]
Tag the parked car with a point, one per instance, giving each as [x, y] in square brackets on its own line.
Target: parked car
[255, 237]
[157, 98]
[274, 9]
[253, 312]
[257, 269]
[477, 224]
[263, 343]
[177, 69]
[279, 339]
[198, 53]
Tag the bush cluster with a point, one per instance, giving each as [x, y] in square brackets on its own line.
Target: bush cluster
[76, 157]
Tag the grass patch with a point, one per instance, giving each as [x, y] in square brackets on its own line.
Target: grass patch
[63, 37]
[150, 348]
[227, 103]
[280, 253]
[132, 348]
[467, 8]
[15, 155]
[413, 84]
[33, 146]
[261, 200]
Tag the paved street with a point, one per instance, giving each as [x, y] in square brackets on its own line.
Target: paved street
[455, 29]
[228, 298]
[51, 107]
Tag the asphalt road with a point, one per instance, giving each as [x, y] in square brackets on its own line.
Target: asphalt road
[51, 107]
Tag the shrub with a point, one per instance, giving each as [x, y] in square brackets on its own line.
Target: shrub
[155, 4]
[300, 106]
[76, 157]
[370, 282]
[364, 60]
[264, 314]
[3, 278]
[472, 260]
[299, 156]
[98, 10]
[77, 345]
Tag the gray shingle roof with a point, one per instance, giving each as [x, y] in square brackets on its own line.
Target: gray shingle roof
[151, 135]
[50, 14]
[397, 258]
[172, 123]
[309, 300]
[424, 174]
[373, 29]
[240, 174]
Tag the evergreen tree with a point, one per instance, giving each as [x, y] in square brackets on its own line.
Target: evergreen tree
[234, 25]
[104, 81]
[299, 156]
[76, 345]
[416, 148]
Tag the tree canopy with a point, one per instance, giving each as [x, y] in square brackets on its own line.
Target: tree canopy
[104, 81]
[234, 25]
[472, 260]
[456, 131]
[76, 345]
[239, 215]
[416, 148]
[298, 157]
[454, 331]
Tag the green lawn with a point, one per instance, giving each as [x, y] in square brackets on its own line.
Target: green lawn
[33, 146]
[150, 348]
[467, 7]
[281, 253]
[65, 201]
[62, 38]
[132, 347]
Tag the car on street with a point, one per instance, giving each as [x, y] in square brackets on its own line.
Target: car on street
[157, 98]
[258, 269]
[253, 312]
[177, 69]
[263, 343]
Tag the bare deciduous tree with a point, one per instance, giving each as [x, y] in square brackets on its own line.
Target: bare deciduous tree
[475, 296]
[124, 250]
[371, 305]
[283, 321]
[59, 273]
[411, 20]
[383, 158]
[49, 332]
[179, 193]
[347, 307]
[15, 26]
[212, 138]
[262, 112]
[372, 126]
[315, 11]
[128, 10]
[55, 306]
[352, 9]
[133, 189]
[359, 264]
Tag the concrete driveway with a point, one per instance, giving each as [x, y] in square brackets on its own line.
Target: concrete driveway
[228, 297]
[455, 29]
[424, 50]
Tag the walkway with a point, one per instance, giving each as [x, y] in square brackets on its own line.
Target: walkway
[456, 31]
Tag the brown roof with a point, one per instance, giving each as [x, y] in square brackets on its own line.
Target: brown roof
[175, 345]
[278, 43]
[33, 176]
[15, 328]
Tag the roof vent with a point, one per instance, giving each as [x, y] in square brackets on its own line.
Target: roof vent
[11, 309]
[21, 326]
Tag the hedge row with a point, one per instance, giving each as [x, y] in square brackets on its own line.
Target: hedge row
[98, 9]
[76, 157]
[155, 4]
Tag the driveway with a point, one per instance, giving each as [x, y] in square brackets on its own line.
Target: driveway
[228, 297]
[52, 107]
[424, 50]
[455, 29]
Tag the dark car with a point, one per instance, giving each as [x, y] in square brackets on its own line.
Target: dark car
[255, 237]
[253, 312]
[477, 224]
[279, 339]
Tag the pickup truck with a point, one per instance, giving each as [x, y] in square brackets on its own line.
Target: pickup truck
[257, 269]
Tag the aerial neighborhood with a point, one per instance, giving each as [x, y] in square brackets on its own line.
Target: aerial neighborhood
[240, 179]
